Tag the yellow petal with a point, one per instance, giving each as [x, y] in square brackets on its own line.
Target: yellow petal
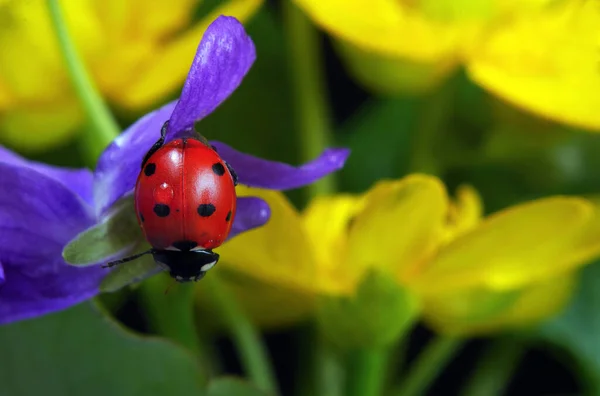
[533, 64]
[392, 75]
[464, 213]
[480, 310]
[513, 248]
[268, 305]
[6, 98]
[390, 28]
[400, 226]
[326, 220]
[278, 252]
[460, 11]
[33, 129]
[165, 69]
[159, 18]
[135, 39]
[30, 64]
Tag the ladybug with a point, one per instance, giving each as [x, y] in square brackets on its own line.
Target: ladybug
[185, 202]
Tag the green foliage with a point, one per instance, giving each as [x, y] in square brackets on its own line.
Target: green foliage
[135, 271]
[229, 386]
[379, 137]
[80, 351]
[117, 233]
[576, 331]
[377, 316]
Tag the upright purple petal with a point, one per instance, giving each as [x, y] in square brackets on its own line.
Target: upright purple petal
[2, 277]
[257, 172]
[78, 180]
[120, 163]
[223, 58]
[252, 212]
[37, 218]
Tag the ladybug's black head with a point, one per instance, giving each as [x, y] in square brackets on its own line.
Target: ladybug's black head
[186, 266]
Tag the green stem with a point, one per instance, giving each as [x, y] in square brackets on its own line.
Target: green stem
[428, 365]
[104, 126]
[368, 372]
[495, 368]
[245, 336]
[329, 372]
[170, 310]
[322, 369]
[308, 86]
[430, 127]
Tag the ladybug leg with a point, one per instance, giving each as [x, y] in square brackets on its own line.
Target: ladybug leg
[233, 174]
[199, 276]
[158, 144]
[126, 259]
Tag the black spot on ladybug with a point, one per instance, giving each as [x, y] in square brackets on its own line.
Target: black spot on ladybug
[214, 148]
[142, 217]
[219, 169]
[162, 210]
[150, 169]
[185, 246]
[206, 210]
[228, 216]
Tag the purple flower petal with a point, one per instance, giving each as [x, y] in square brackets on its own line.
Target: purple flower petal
[257, 172]
[2, 277]
[79, 181]
[37, 218]
[38, 207]
[23, 297]
[120, 163]
[252, 212]
[223, 58]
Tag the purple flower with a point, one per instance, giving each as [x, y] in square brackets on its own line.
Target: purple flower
[42, 207]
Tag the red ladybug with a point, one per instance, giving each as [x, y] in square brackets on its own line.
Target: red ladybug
[185, 202]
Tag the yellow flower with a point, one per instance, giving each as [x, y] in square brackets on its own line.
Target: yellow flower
[137, 52]
[515, 49]
[466, 273]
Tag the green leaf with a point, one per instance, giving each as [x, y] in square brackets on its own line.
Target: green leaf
[118, 233]
[229, 386]
[378, 315]
[131, 272]
[577, 330]
[82, 352]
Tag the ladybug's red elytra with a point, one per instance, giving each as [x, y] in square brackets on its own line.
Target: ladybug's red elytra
[185, 202]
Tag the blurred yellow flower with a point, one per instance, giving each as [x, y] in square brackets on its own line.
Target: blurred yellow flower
[467, 273]
[516, 49]
[137, 52]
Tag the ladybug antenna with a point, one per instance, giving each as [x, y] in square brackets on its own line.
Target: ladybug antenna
[126, 259]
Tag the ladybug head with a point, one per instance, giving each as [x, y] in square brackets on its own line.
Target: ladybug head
[186, 266]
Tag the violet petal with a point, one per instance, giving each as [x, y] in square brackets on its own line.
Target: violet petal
[23, 297]
[120, 163]
[39, 211]
[257, 172]
[223, 58]
[37, 219]
[251, 212]
[79, 181]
